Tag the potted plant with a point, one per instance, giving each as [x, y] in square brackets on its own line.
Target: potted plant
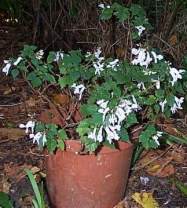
[105, 101]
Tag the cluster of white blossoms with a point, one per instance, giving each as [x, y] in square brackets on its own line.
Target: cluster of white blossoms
[9, 64]
[144, 57]
[99, 62]
[156, 137]
[29, 128]
[112, 119]
[176, 106]
[78, 89]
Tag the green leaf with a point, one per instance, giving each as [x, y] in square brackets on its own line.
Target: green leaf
[124, 136]
[51, 57]
[137, 10]
[131, 120]
[159, 94]
[106, 14]
[175, 139]
[61, 144]
[150, 100]
[91, 145]
[157, 108]
[121, 13]
[5, 200]
[35, 80]
[62, 134]
[28, 51]
[35, 188]
[39, 127]
[110, 145]
[146, 137]
[64, 81]
[50, 78]
[14, 73]
[51, 145]
[170, 100]
[180, 186]
[83, 127]
[88, 109]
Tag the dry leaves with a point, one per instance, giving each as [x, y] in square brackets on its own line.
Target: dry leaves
[61, 99]
[11, 133]
[158, 162]
[145, 199]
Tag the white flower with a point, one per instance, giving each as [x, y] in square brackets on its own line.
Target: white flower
[99, 67]
[121, 114]
[37, 138]
[113, 119]
[141, 86]
[58, 55]
[97, 53]
[17, 61]
[177, 104]
[92, 135]
[39, 54]
[156, 137]
[102, 103]
[113, 64]
[156, 57]
[7, 67]
[103, 107]
[176, 74]
[135, 51]
[162, 105]
[88, 54]
[140, 29]
[157, 82]
[111, 134]
[144, 180]
[78, 89]
[27, 126]
[100, 134]
[102, 6]
[98, 63]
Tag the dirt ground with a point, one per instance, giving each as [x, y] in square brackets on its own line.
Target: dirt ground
[153, 173]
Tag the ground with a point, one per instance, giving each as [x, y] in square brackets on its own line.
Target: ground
[155, 172]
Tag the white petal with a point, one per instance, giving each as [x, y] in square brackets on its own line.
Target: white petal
[17, 61]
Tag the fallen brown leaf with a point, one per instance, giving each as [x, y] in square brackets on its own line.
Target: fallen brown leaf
[160, 166]
[11, 133]
[178, 154]
[61, 99]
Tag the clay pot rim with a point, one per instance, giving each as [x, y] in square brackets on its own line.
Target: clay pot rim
[74, 146]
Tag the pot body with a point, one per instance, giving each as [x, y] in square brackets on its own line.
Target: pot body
[88, 181]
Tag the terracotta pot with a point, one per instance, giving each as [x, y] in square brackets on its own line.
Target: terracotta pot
[88, 181]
